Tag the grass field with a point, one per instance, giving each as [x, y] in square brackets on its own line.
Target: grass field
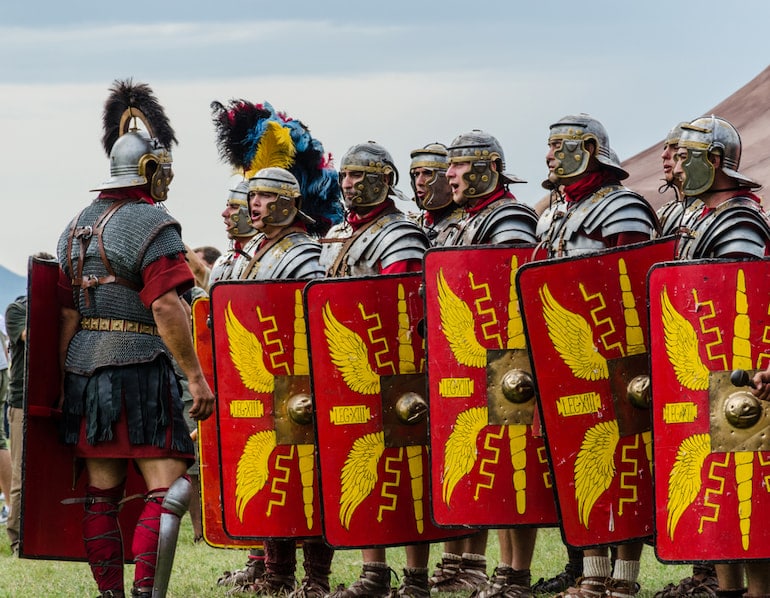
[198, 566]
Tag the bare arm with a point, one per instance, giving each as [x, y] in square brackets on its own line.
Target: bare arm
[174, 327]
[199, 268]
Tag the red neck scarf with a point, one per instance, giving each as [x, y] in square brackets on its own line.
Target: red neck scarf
[588, 185]
[127, 193]
[476, 208]
[356, 221]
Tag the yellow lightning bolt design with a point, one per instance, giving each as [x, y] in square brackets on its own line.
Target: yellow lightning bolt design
[572, 337]
[460, 452]
[390, 499]
[542, 458]
[516, 338]
[414, 459]
[374, 340]
[492, 461]
[605, 323]
[306, 465]
[280, 480]
[271, 331]
[517, 437]
[629, 475]
[714, 492]
[487, 314]
[595, 466]
[710, 314]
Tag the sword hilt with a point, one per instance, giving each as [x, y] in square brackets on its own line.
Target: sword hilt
[741, 378]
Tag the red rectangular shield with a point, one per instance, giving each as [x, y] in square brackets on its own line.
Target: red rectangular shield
[50, 473]
[367, 363]
[486, 454]
[268, 473]
[208, 441]
[712, 454]
[587, 326]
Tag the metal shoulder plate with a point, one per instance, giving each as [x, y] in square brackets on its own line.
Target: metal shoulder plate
[508, 222]
[293, 257]
[612, 210]
[439, 232]
[736, 227]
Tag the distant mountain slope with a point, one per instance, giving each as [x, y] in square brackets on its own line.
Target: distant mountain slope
[11, 286]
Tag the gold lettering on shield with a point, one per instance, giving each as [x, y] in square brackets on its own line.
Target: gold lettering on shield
[455, 388]
[247, 409]
[680, 413]
[341, 415]
[582, 404]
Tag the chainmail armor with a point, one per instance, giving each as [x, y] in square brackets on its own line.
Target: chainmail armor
[296, 256]
[737, 227]
[393, 238]
[147, 234]
[567, 229]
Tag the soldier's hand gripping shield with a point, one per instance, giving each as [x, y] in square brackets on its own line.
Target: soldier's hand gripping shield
[53, 480]
[712, 453]
[487, 455]
[208, 441]
[586, 324]
[368, 361]
[268, 472]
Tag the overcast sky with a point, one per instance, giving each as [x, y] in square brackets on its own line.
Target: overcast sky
[402, 73]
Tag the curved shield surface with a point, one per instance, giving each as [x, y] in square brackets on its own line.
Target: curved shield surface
[712, 453]
[586, 325]
[268, 472]
[487, 452]
[53, 480]
[368, 361]
[208, 441]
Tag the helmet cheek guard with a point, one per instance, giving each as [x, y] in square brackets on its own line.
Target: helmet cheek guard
[481, 179]
[698, 172]
[380, 174]
[572, 158]
[283, 184]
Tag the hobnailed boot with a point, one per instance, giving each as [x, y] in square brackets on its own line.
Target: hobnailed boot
[621, 588]
[445, 571]
[506, 582]
[271, 584]
[471, 575]
[318, 560]
[561, 581]
[587, 587]
[702, 583]
[414, 583]
[374, 582]
[254, 569]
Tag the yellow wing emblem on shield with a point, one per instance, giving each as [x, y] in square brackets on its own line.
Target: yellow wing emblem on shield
[247, 355]
[349, 353]
[573, 339]
[595, 466]
[684, 480]
[682, 347]
[253, 468]
[460, 453]
[359, 474]
[459, 327]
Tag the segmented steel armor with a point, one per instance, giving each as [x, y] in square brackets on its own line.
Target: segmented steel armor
[502, 221]
[568, 229]
[136, 235]
[295, 256]
[444, 228]
[736, 228]
[392, 238]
